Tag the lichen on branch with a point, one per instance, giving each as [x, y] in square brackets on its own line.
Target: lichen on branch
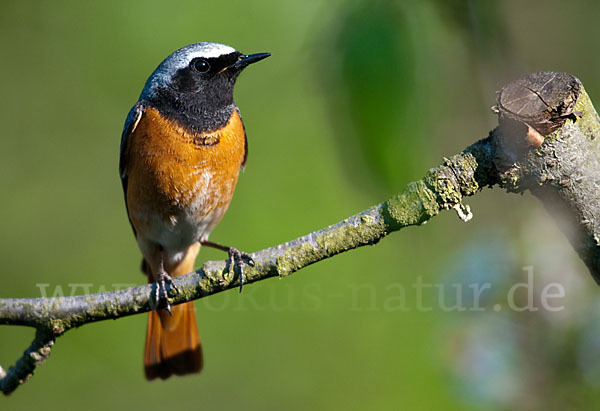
[547, 146]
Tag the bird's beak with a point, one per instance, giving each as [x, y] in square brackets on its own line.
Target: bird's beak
[245, 60]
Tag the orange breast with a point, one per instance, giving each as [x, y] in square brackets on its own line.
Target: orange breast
[180, 181]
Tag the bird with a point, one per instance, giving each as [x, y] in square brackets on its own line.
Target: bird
[182, 148]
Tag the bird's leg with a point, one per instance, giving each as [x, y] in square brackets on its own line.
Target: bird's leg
[163, 279]
[236, 258]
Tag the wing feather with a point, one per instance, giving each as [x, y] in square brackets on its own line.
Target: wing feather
[133, 119]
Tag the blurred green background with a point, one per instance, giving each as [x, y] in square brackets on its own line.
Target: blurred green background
[359, 98]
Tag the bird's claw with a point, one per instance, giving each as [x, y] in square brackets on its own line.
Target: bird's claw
[237, 258]
[161, 293]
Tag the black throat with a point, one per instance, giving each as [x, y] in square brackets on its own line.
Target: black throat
[199, 102]
[191, 116]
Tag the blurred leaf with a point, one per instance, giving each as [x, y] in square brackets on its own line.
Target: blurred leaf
[482, 24]
[375, 87]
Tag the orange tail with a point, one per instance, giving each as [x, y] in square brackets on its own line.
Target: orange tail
[172, 342]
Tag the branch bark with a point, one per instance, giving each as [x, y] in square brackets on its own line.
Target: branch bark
[512, 156]
[550, 127]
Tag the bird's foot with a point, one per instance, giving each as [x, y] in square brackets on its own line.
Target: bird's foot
[164, 283]
[237, 259]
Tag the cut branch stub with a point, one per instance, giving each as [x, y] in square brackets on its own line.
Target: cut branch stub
[541, 100]
[531, 108]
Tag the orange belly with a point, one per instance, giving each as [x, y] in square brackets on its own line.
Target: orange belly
[180, 183]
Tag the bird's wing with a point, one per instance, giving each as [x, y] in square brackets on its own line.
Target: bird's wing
[245, 139]
[133, 119]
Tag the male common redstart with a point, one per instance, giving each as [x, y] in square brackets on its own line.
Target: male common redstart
[182, 148]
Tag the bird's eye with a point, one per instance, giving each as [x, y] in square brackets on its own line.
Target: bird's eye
[200, 65]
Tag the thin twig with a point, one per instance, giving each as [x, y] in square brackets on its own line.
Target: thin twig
[560, 167]
[442, 188]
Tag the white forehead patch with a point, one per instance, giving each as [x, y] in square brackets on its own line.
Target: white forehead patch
[208, 50]
[180, 59]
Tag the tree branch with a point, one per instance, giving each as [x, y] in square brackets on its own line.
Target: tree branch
[504, 158]
[35, 355]
[551, 149]
[442, 188]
